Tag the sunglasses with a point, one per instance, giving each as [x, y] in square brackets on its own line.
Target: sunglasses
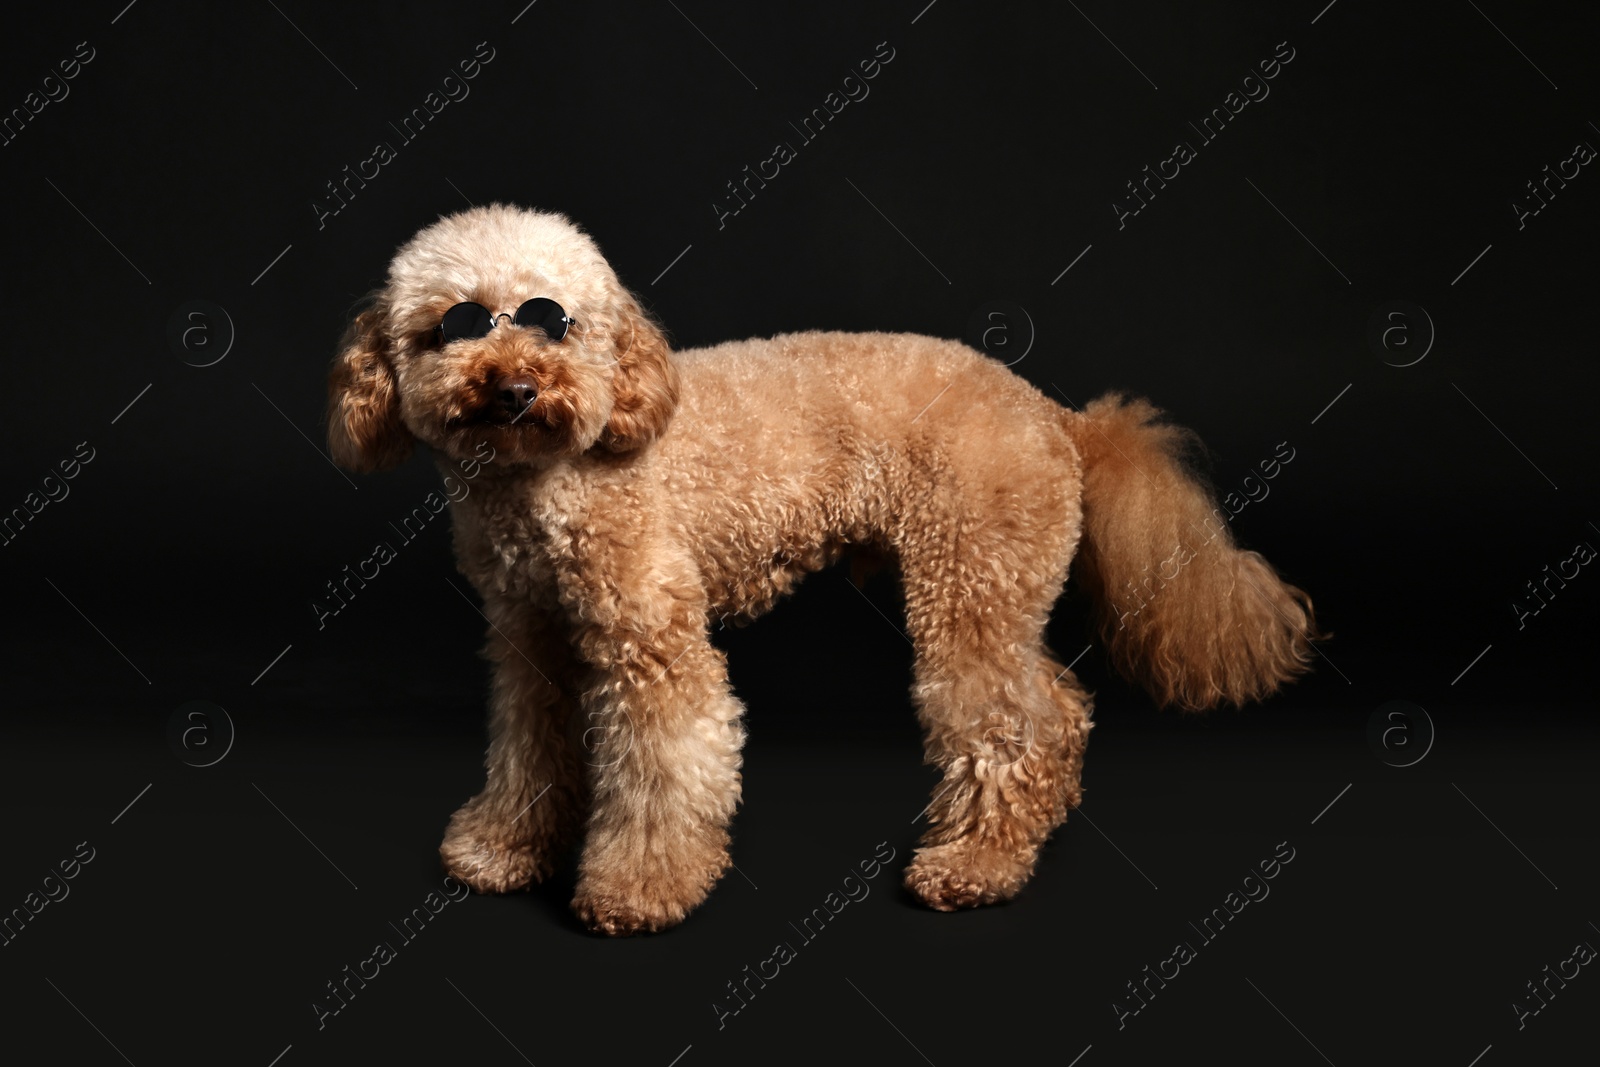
[469, 321]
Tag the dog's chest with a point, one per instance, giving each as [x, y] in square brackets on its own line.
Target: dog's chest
[507, 539]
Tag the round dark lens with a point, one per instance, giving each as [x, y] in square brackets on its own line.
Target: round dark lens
[546, 314]
[465, 322]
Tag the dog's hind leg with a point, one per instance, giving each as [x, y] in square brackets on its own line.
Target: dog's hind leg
[1005, 723]
[1010, 738]
[532, 803]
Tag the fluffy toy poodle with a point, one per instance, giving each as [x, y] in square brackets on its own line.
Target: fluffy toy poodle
[638, 494]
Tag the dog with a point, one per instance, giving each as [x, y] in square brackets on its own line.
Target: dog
[636, 494]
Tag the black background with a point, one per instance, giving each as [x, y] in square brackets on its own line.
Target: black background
[984, 161]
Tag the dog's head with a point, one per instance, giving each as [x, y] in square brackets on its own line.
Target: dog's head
[610, 382]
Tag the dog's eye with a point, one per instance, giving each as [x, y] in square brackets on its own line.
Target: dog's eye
[464, 322]
[546, 314]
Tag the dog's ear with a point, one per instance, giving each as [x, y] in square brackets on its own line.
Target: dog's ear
[364, 428]
[646, 380]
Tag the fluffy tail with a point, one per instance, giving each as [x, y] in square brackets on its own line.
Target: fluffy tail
[1186, 613]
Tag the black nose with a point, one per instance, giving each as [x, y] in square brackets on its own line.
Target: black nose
[515, 394]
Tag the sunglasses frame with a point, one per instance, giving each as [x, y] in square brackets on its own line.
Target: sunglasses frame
[567, 321]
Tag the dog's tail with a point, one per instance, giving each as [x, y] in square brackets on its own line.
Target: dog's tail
[1186, 613]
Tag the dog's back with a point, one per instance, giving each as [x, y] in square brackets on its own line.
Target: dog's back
[787, 448]
[806, 441]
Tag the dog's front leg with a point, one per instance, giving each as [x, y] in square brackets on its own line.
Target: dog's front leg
[532, 803]
[664, 759]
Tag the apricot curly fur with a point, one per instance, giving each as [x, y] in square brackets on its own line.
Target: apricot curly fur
[644, 493]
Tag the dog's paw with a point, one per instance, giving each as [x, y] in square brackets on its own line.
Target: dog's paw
[620, 916]
[951, 876]
[618, 895]
[489, 869]
[484, 855]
